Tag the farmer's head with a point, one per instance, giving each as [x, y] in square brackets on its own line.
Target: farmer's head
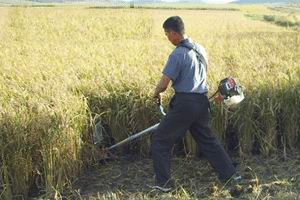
[174, 29]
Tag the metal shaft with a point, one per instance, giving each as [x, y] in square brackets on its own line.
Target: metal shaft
[139, 134]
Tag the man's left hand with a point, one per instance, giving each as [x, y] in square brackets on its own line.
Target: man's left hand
[157, 99]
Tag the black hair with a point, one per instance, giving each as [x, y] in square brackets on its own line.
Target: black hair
[174, 23]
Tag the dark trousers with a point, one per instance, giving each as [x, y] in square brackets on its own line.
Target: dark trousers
[188, 111]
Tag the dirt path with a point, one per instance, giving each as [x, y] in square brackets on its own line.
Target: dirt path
[264, 178]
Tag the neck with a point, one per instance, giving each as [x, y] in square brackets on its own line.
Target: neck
[183, 37]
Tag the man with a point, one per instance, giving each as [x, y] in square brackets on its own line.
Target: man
[189, 107]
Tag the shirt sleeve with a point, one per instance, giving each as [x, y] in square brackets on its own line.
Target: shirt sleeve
[172, 67]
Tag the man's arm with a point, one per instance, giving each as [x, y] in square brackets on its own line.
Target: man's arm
[161, 87]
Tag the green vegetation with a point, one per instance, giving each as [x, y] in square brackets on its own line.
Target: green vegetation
[284, 21]
[286, 16]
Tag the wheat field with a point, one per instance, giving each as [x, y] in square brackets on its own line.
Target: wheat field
[63, 69]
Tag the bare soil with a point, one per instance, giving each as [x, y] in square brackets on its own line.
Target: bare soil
[263, 178]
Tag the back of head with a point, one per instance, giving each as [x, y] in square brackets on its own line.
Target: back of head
[175, 24]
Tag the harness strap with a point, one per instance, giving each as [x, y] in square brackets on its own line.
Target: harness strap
[192, 46]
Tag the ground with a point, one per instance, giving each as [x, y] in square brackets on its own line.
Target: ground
[263, 178]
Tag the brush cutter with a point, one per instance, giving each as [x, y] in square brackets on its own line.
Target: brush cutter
[230, 92]
[99, 136]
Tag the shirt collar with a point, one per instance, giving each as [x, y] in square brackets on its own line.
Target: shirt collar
[186, 40]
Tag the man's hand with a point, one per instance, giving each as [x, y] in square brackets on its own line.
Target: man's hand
[161, 87]
[158, 99]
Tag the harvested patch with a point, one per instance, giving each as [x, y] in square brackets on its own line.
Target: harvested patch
[194, 179]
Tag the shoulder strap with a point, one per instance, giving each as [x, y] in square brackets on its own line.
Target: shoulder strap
[191, 46]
